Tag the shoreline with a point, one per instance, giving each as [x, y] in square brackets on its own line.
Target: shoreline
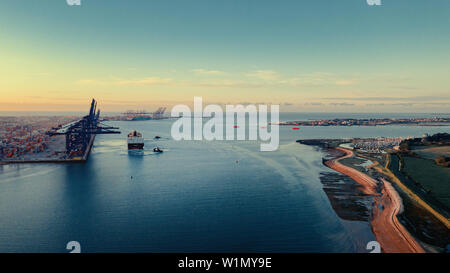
[389, 232]
[83, 159]
[388, 173]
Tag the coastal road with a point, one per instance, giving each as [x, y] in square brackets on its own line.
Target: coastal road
[396, 239]
[389, 232]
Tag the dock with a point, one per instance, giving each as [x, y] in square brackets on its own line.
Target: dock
[79, 135]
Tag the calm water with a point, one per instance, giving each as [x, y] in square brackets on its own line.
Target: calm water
[193, 197]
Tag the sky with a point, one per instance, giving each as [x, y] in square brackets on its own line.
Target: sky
[305, 55]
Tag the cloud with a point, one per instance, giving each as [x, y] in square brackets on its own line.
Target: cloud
[255, 79]
[344, 82]
[200, 71]
[410, 104]
[314, 103]
[145, 81]
[226, 84]
[306, 79]
[316, 79]
[127, 82]
[342, 104]
[149, 81]
[404, 87]
[266, 75]
[403, 104]
[55, 98]
[401, 99]
[437, 103]
[43, 74]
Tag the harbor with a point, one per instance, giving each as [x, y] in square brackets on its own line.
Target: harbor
[193, 197]
[225, 135]
[64, 143]
[60, 139]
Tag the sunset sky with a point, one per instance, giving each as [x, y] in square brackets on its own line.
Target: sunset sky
[314, 55]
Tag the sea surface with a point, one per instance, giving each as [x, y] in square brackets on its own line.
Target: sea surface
[197, 196]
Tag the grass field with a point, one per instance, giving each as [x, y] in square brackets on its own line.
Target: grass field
[431, 176]
[431, 152]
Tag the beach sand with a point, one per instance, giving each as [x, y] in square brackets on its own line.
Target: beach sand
[389, 232]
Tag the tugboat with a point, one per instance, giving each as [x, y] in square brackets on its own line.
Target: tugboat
[135, 141]
[157, 150]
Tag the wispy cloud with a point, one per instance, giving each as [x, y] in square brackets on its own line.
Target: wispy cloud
[126, 82]
[403, 99]
[405, 104]
[266, 75]
[314, 103]
[253, 79]
[410, 104]
[226, 84]
[145, 81]
[344, 82]
[341, 104]
[316, 79]
[201, 71]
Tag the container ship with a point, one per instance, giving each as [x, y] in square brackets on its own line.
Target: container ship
[135, 141]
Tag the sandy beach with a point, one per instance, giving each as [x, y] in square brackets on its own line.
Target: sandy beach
[369, 184]
[389, 232]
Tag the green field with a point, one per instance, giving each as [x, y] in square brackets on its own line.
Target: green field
[431, 176]
[431, 152]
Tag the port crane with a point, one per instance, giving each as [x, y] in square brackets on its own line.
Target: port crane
[139, 112]
[158, 114]
[80, 134]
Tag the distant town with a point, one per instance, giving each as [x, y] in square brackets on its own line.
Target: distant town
[370, 122]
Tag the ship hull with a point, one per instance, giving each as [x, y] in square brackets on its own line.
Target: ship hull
[135, 146]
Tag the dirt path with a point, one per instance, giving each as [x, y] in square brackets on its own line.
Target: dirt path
[389, 232]
[393, 236]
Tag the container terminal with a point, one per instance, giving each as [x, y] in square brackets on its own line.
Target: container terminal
[73, 139]
[140, 115]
